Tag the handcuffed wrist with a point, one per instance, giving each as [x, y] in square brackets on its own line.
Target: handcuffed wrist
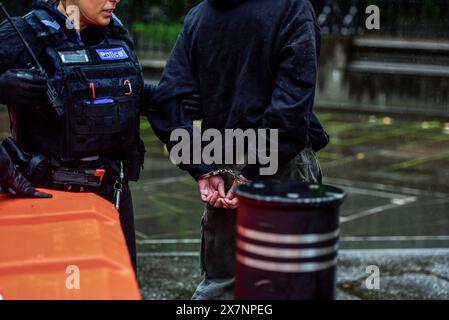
[213, 174]
[240, 178]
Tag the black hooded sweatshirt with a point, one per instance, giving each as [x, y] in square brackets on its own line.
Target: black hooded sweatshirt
[254, 62]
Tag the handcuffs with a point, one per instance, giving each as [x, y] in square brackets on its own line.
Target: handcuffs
[235, 175]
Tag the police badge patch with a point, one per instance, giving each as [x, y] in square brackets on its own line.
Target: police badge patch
[112, 54]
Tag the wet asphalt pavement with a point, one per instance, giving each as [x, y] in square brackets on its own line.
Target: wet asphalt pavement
[395, 172]
[404, 274]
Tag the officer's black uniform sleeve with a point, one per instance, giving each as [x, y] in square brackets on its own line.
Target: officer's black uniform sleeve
[13, 54]
[292, 100]
[166, 112]
[12, 51]
[6, 168]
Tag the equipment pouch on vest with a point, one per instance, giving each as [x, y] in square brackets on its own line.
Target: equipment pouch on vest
[100, 85]
[97, 122]
[102, 109]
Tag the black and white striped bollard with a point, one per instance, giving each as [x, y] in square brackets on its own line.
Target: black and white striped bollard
[287, 241]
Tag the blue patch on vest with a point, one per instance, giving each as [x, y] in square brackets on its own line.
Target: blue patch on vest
[112, 54]
[51, 24]
[100, 101]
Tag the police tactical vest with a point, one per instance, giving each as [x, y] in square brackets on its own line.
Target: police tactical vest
[100, 86]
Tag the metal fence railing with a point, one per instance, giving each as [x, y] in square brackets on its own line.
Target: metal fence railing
[155, 24]
[156, 30]
[410, 18]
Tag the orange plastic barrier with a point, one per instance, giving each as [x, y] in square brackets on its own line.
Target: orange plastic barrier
[68, 247]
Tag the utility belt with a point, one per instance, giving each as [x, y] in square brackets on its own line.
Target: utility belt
[89, 178]
[82, 176]
[73, 176]
[76, 180]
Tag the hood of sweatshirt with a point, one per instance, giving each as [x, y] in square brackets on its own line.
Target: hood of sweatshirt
[225, 4]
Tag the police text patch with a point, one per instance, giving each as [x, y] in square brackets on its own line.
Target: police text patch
[112, 54]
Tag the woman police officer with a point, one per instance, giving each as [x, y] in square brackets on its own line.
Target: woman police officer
[92, 142]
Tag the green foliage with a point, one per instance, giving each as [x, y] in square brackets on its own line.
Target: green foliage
[163, 33]
[133, 11]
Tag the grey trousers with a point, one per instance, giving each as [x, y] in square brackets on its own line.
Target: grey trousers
[218, 232]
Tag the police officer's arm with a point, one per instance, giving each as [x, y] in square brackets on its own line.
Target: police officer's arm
[293, 96]
[167, 111]
[10, 46]
[18, 85]
[191, 103]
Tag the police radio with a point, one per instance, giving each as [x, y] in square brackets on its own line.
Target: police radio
[56, 107]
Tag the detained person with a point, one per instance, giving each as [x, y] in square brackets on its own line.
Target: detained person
[254, 63]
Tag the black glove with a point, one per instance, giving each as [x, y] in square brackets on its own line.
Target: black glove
[23, 87]
[192, 104]
[14, 181]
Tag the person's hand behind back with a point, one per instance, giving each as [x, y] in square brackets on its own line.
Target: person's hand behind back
[212, 190]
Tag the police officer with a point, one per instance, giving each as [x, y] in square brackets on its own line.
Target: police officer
[93, 142]
[254, 63]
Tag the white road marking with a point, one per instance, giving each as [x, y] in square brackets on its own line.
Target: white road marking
[388, 188]
[399, 251]
[370, 252]
[141, 234]
[369, 212]
[169, 254]
[393, 238]
[342, 239]
[375, 193]
[395, 203]
[170, 241]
